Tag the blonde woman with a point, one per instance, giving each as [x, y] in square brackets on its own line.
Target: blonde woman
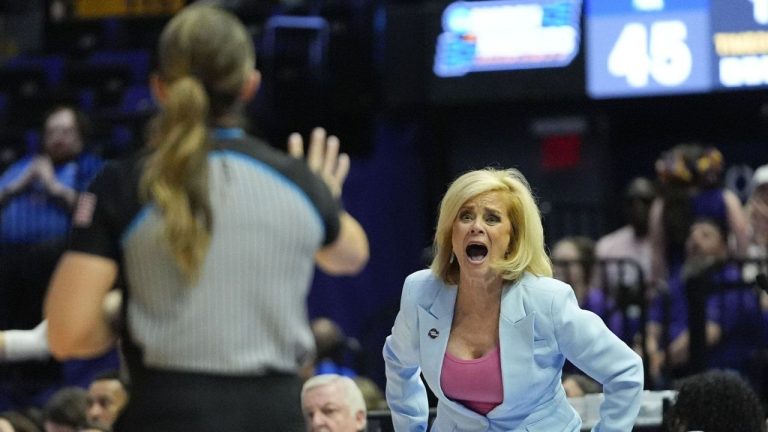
[490, 329]
[217, 236]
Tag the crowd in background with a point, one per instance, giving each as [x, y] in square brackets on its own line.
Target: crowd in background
[686, 237]
[683, 231]
[684, 216]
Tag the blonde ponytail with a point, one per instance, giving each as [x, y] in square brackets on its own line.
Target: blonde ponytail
[175, 176]
[205, 56]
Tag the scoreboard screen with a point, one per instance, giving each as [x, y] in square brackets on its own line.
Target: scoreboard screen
[500, 35]
[657, 47]
[498, 50]
[740, 43]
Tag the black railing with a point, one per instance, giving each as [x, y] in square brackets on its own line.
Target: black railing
[732, 290]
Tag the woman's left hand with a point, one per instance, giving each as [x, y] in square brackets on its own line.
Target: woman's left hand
[323, 158]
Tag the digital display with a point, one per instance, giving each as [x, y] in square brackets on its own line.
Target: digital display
[656, 47]
[740, 43]
[487, 36]
[497, 51]
[445, 52]
[647, 47]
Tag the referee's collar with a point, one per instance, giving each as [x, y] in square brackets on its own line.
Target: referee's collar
[222, 133]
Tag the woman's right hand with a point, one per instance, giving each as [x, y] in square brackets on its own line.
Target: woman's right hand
[323, 158]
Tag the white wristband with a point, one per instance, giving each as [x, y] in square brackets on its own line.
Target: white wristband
[21, 345]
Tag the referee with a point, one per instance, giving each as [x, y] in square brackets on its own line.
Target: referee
[217, 235]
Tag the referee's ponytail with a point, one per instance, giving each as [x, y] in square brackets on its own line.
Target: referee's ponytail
[204, 55]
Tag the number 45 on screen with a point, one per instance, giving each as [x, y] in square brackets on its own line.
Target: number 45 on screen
[657, 51]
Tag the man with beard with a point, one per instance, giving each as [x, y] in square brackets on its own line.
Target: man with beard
[37, 196]
[731, 314]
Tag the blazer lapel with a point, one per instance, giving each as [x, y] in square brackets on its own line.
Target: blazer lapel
[434, 329]
[516, 345]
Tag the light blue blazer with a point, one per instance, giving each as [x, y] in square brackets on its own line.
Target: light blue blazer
[540, 326]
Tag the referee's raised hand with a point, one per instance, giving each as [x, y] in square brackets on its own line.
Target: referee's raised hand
[323, 158]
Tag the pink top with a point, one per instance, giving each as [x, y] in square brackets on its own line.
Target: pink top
[476, 384]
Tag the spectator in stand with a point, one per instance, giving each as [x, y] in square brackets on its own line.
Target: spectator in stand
[91, 427]
[107, 397]
[333, 403]
[757, 214]
[37, 196]
[732, 315]
[631, 241]
[332, 348]
[715, 401]
[372, 394]
[577, 385]
[65, 410]
[13, 421]
[573, 261]
[690, 177]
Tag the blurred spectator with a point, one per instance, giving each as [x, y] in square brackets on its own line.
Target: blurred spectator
[13, 421]
[65, 411]
[107, 396]
[715, 401]
[93, 428]
[333, 403]
[575, 263]
[577, 385]
[690, 177]
[573, 260]
[731, 315]
[372, 394]
[632, 240]
[757, 213]
[332, 347]
[90, 427]
[37, 195]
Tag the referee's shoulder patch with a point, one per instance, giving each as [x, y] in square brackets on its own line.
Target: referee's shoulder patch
[86, 205]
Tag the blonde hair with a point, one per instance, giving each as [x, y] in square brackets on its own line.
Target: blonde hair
[205, 55]
[526, 252]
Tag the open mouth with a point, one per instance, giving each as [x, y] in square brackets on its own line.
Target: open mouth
[476, 252]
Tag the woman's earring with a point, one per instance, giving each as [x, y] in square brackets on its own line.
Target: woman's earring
[450, 261]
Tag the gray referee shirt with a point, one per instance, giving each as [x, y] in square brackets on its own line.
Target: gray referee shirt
[247, 313]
